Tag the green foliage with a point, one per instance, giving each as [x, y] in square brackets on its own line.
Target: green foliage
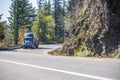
[22, 31]
[43, 26]
[60, 12]
[20, 14]
[10, 39]
[47, 31]
[41, 4]
[4, 32]
[58, 18]
[2, 29]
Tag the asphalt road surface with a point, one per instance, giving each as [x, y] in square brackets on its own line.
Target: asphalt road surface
[36, 64]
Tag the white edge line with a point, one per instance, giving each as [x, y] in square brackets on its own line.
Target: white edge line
[57, 70]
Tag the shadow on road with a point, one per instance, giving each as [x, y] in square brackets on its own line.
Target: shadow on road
[9, 48]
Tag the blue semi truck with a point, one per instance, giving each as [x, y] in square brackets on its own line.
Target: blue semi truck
[30, 41]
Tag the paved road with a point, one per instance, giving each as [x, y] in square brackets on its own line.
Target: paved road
[36, 64]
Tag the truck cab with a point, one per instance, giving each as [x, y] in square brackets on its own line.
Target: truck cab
[29, 41]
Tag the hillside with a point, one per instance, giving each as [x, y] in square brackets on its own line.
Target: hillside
[95, 29]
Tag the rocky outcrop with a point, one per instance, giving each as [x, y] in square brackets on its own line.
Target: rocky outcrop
[113, 34]
[95, 28]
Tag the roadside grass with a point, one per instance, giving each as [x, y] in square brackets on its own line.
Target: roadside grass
[58, 52]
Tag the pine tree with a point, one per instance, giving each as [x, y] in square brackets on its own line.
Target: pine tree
[47, 7]
[20, 15]
[59, 12]
[58, 15]
[41, 4]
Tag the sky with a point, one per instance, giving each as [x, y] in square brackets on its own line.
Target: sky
[4, 8]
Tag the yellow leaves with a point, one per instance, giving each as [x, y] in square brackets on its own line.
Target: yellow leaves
[35, 29]
[21, 36]
[42, 25]
[49, 37]
[50, 21]
[1, 43]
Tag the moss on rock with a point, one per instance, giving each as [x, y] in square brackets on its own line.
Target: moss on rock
[95, 28]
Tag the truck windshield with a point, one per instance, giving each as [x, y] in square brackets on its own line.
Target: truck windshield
[28, 39]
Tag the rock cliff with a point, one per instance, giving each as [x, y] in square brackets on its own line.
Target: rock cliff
[95, 28]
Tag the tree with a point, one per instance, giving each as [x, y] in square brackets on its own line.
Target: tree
[59, 15]
[41, 4]
[3, 33]
[2, 28]
[20, 15]
[59, 12]
[47, 7]
[41, 27]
